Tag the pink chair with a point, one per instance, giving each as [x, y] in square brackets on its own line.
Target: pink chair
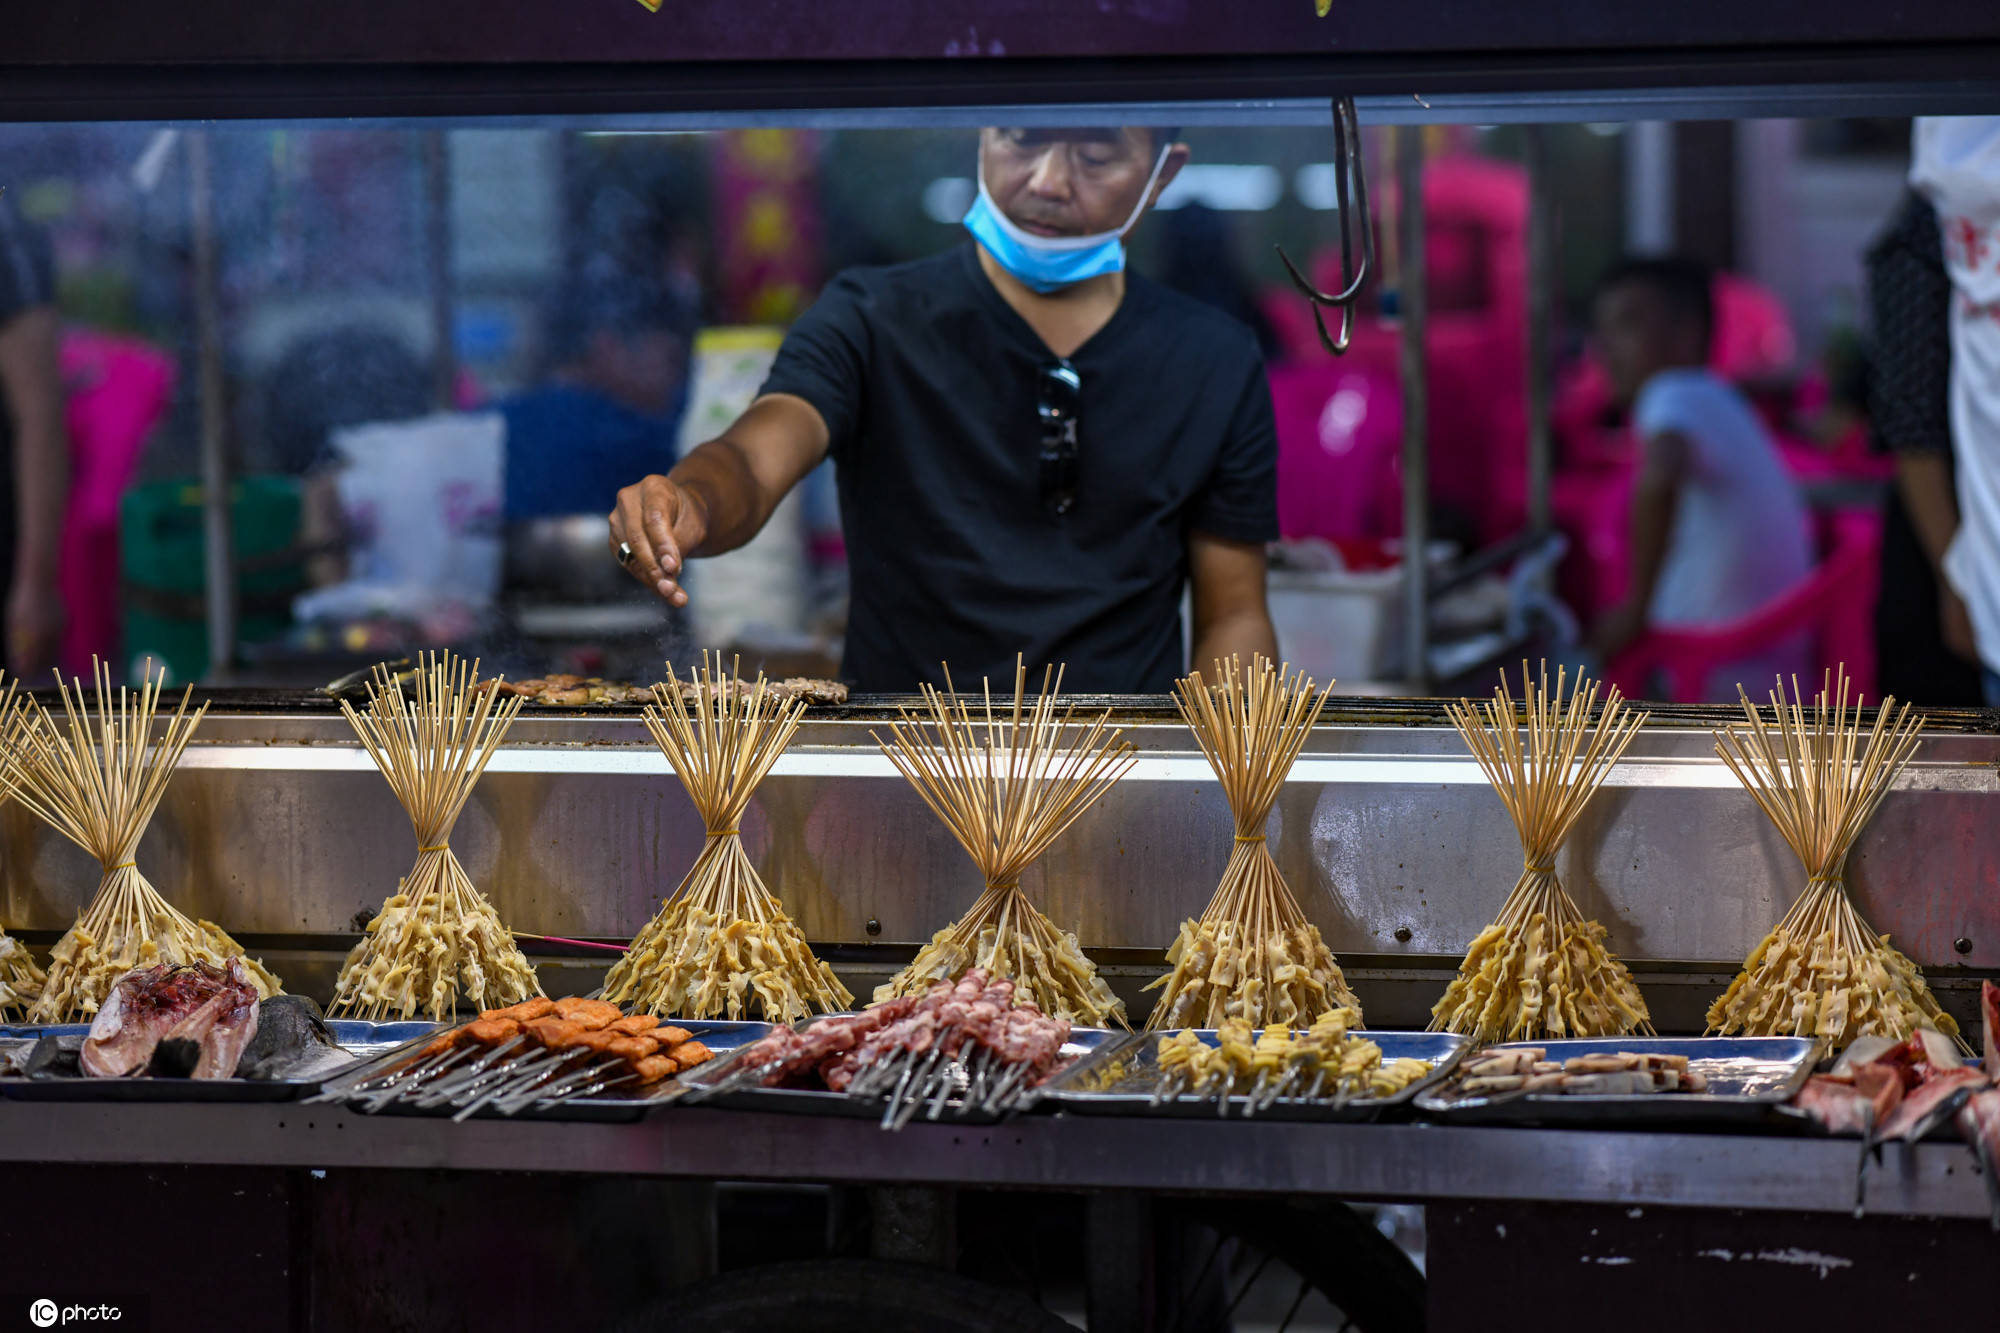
[1340, 431]
[1837, 601]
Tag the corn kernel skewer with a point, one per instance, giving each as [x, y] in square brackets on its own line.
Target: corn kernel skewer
[721, 945]
[1252, 955]
[1541, 969]
[1822, 972]
[1007, 786]
[437, 936]
[97, 779]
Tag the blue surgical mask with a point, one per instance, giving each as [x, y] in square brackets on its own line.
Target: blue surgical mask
[1048, 263]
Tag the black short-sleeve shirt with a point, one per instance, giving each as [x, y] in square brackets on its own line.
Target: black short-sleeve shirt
[927, 380]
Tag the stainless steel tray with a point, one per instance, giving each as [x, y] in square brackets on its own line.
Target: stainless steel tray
[359, 1041]
[1748, 1078]
[1123, 1082]
[722, 1036]
[1083, 1043]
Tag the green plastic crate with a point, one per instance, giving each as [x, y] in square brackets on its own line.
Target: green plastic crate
[162, 550]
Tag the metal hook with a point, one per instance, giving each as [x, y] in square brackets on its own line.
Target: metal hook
[1347, 165]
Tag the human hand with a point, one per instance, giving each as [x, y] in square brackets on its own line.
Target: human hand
[35, 618]
[661, 523]
[1955, 624]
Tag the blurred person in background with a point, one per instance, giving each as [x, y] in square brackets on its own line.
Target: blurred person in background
[34, 449]
[1719, 529]
[617, 385]
[1924, 648]
[1956, 165]
[1036, 451]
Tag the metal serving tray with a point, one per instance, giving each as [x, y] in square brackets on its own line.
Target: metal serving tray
[1083, 1043]
[1748, 1078]
[616, 1106]
[1123, 1082]
[359, 1040]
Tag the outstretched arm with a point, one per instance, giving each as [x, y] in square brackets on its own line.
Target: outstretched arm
[1654, 499]
[720, 495]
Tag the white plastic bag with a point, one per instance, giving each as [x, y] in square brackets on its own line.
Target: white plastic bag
[422, 502]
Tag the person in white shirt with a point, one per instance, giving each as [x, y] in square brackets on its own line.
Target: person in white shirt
[1719, 529]
[1955, 163]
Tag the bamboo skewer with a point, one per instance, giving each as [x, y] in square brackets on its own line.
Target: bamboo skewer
[1541, 969]
[721, 944]
[1822, 971]
[98, 785]
[1252, 955]
[1007, 786]
[437, 934]
[21, 978]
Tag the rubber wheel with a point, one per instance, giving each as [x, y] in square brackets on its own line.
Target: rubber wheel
[1334, 1248]
[843, 1296]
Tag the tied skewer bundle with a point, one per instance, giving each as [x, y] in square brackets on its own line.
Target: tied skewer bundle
[1822, 972]
[437, 934]
[1541, 969]
[21, 979]
[1007, 787]
[1252, 955]
[721, 944]
[98, 786]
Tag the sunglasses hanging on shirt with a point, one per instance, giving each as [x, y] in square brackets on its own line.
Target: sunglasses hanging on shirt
[1058, 407]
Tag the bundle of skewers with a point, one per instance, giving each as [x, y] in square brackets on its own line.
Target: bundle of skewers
[21, 977]
[1542, 969]
[1822, 972]
[1007, 785]
[437, 934]
[539, 1053]
[721, 944]
[973, 1046]
[1329, 1059]
[97, 780]
[1252, 955]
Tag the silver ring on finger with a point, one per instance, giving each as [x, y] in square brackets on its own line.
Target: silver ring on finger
[626, 554]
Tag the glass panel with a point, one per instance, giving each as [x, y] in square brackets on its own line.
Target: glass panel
[442, 347]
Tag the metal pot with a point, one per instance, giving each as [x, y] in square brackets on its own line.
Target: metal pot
[566, 557]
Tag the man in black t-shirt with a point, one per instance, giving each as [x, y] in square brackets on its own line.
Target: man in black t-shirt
[34, 451]
[1036, 452]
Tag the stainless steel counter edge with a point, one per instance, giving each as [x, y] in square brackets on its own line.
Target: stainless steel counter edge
[1411, 1162]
